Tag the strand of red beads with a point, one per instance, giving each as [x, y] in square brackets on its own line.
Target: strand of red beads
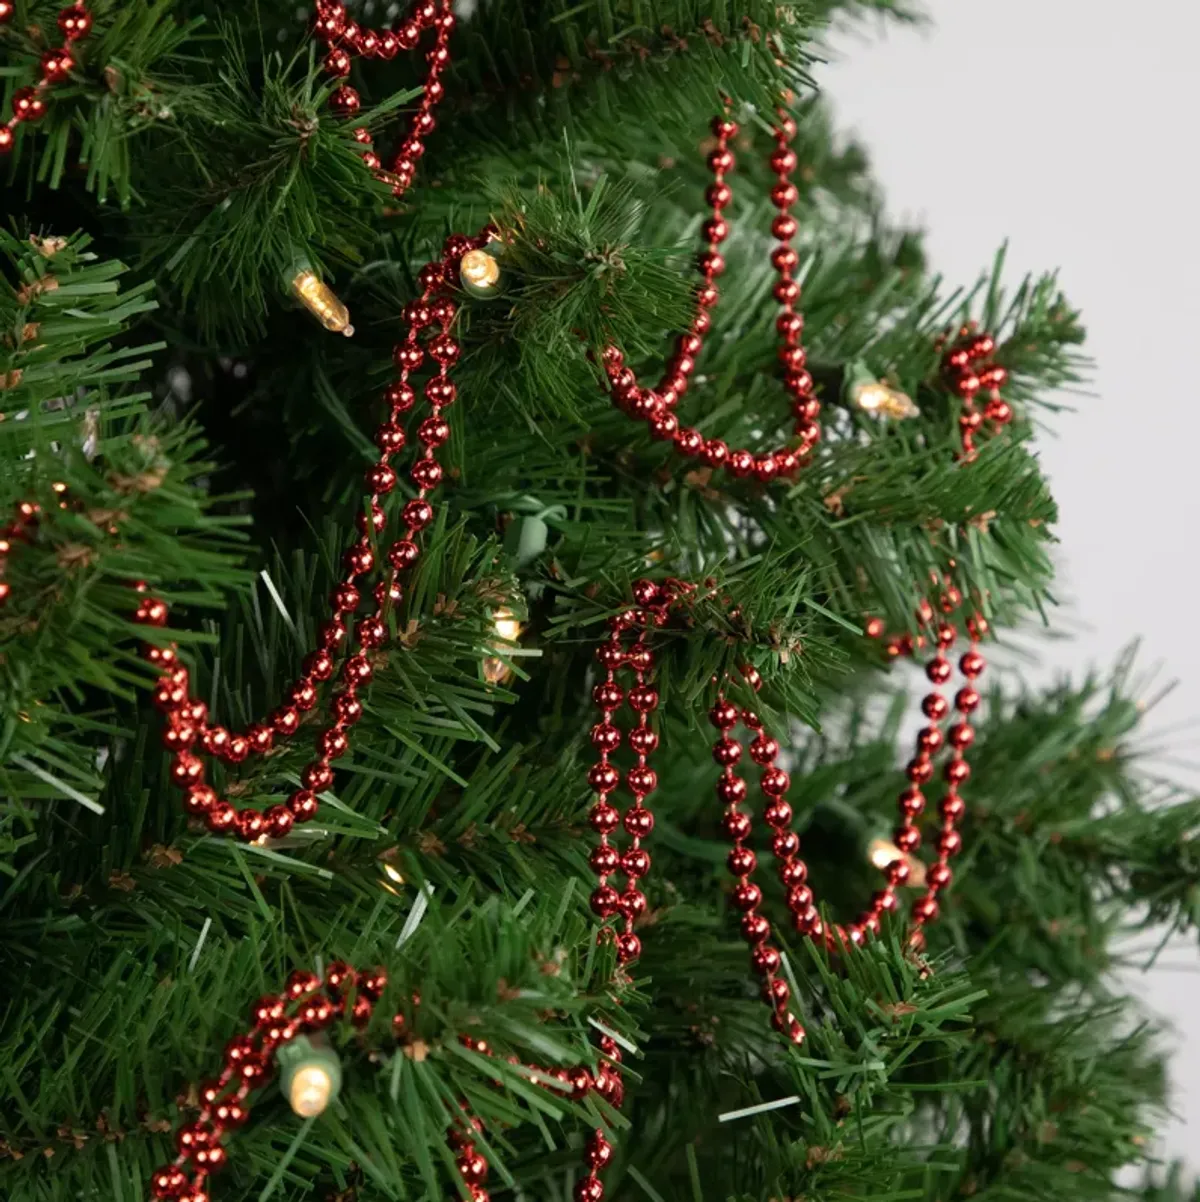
[579, 1082]
[189, 734]
[604, 778]
[655, 604]
[345, 38]
[29, 103]
[307, 1005]
[970, 371]
[656, 406]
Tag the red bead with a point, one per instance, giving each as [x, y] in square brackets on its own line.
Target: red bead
[998, 411]
[333, 742]
[603, 777]
[261, 738]
[747, 896]
[919, 770]
[75, 21]
[939, 876]
[952, 808]
[643, 699]
[907, 838]
[774, 782]
[400, 397]
[925, 909]
[250, 825]
[279, 820]
[763, 749]
[722, 127]
[911, 802]
[765, 959]
[784, 227]
[303, 696]
[168, 1182]
[755, 928]
[930, 739]
[737, 824]
[380, 479]
[337, 63]
[799, 898]
[285, 721]
[939, 670]
[629, 947]
[949, 843]
[426, 473]
[599, 1151]
[639, 822]
[434, 431]
[784, 259]
[718, 195]
[741, 861]
[56, 64]
[782, 160]
[724, 715]
[935, 707]
[778, 814]
[971, 664]
[635, 863]
[961, 735]
[605, 736]
[785, 844]
[238, 749]
[303, 805]
[787, 292]
[588, 1189]
[727, 751]
[403, 554]
[884, 901]
[793, 873]
[417, 514]
[641, 780]
[200, 799]
[643, 739]
[966, 700]
[633, 903]
[604, 859]
[720, 161]
[603, 818]
[784, 195]
[741, 463]
[220, 817]
[715, 453]
[731, 789]
[957, 771]
[605, 901]
[193, 1136]
[345, 101]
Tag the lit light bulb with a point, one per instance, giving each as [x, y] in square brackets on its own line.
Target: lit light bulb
[871, 396]
[311, 1075]
[508, 628]
[312, 1087]
[321, 301]
[479, 272]
[883, 852]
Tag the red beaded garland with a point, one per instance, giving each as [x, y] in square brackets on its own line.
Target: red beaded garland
[188, 731]
[313, 1005]
[654, 406]
[29, 103]
[345, 38]
[971, 372]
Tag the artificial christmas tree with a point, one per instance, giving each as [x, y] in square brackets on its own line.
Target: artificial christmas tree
[462, 908]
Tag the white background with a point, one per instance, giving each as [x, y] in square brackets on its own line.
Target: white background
[1070, 128]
